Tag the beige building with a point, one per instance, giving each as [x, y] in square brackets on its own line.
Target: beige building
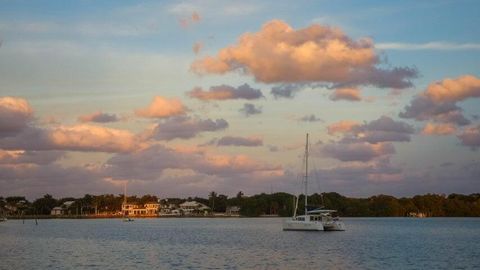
[148, 209]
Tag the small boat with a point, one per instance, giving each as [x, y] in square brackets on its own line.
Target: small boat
[127, 219]
[2, 219]
[313, 220]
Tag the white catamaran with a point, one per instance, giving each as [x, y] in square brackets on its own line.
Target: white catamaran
[316, 219]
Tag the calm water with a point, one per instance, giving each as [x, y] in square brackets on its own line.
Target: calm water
[368, 243]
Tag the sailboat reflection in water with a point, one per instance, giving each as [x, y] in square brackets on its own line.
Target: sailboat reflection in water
[314, 219]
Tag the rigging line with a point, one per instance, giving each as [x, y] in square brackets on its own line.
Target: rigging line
[317, 178]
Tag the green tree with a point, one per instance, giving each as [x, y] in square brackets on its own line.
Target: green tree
[44, 205]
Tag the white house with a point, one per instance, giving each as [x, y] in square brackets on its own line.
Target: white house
[193, 207]
[57, 211]
[232, 211]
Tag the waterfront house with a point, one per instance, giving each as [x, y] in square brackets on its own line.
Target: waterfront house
[57, 211]
[169, 209]
[148, 209]
[233, 211]
[193, 207]
[417, 214]
[152, 208]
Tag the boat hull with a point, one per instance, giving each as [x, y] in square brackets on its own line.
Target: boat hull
[334, 226]
[294, 225]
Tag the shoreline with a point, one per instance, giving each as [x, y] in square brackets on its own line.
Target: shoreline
[153, 217]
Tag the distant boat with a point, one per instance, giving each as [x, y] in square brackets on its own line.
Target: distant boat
[316, 219]
[2, 219]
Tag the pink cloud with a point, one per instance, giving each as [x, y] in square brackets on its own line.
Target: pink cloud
[357, 151]
[162, 108]
[225, 92]
[439, 129]
[452, 90]
[439, 101]
[29, 157]
[92, 138]
[192, 19]
[150, 163]
[343, 126]
[280, 54]
[197, 47]
[195, 17]
[185, 127]
[470, 136]
[349, 94]
[15, 114]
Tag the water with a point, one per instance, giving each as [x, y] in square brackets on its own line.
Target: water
[368, 243]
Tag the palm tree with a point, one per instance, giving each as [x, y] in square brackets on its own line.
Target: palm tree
[212, 196]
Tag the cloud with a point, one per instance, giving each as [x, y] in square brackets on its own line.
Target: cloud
[192, 19]
[422, 108]
[186, 127]
[195, 17]
[162, 108]
[281, 54]
[470, 136]
[92, 138]
[361, 151]
[438, 102]
[383, 129]
[250, 109]
[98, 117]
[15, 119]
[452, 90]
[439, 129]
[273, 148]
[197, 47]
[367, 141]
[349, 94]
[150, 163]
[29, 157]
[225, 92]
[343, 126]
[82, 137]
[310, 118]
[360, 174]
[286, 90]
[15, 114]
[437, 45]
[239, 141]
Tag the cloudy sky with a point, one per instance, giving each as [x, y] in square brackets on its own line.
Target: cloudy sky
[182, 98]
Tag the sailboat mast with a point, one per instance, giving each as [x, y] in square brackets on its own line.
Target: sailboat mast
[306, 175]
[125, 193]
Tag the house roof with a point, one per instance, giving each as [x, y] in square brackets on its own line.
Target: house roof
[193, 204]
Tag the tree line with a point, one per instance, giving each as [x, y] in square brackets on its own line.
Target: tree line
[280, 203]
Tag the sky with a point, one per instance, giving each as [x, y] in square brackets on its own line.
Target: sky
[181, 98]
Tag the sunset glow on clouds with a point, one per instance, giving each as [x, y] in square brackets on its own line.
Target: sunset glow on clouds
[162, 108]
[279, 54]
[88, 101]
